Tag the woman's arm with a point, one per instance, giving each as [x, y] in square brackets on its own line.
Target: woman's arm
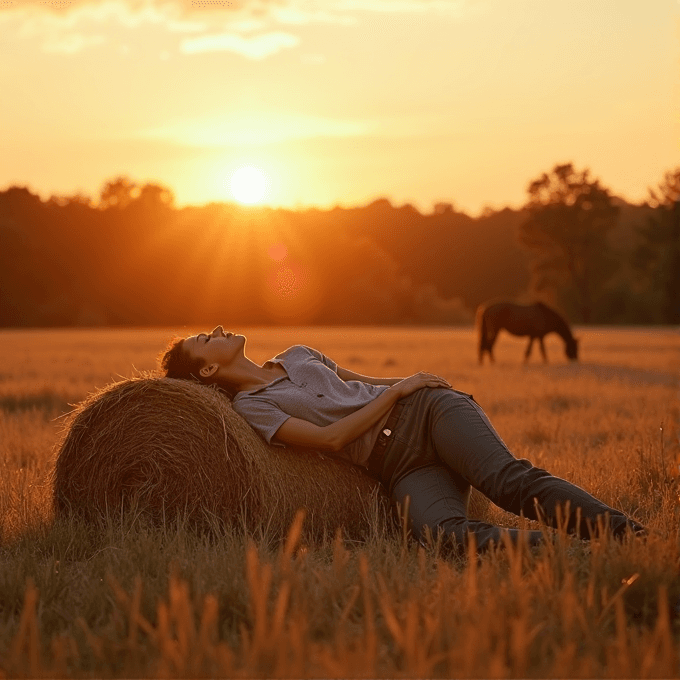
[337, 435]
[346, 375]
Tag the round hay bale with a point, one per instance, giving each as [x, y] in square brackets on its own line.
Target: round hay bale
[176, 449]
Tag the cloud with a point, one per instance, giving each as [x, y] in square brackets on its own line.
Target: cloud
[244, 27]
[175, 14]
[70, 43]
[398, 6]
[255, 130]
[132, 10]
[287, 11]
[70, 26]
[296, 13]
[253, 47]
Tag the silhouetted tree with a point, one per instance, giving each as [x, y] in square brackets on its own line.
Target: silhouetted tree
[155, 195]
[465, 258]
[569, 217]
[118, 193]
[657, 259]
[132, 257]
[78, 198]
[442, 208]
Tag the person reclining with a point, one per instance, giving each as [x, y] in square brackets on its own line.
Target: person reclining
[418, 435]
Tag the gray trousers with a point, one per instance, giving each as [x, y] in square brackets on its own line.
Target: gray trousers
[443, 443]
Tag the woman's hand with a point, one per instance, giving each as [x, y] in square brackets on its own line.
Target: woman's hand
[416, 382]
[337, 435]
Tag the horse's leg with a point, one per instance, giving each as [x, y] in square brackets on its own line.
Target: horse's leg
[487, 335]
[490, 345]
[542, 346]
[527, 353]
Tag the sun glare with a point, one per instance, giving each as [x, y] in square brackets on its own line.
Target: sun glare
[248, 185]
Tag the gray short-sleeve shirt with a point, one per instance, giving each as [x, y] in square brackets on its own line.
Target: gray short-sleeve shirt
[313, 391]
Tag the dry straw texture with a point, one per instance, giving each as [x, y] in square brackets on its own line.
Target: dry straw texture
[175, 449]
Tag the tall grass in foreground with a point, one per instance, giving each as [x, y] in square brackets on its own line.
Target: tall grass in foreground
[135, 602]
[125, 599]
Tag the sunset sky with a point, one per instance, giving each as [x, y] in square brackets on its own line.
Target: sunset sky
[339, 101]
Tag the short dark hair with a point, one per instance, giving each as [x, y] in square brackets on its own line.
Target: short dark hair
[176, 362]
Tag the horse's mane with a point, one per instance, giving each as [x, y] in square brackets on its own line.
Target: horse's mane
[561, 322]
[545, 307]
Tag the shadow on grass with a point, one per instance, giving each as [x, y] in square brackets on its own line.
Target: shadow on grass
[606, 372]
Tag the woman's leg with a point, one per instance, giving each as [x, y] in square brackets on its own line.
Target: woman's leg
[466, 442]
[438, 500]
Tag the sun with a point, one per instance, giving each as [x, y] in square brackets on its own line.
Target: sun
[248, 185]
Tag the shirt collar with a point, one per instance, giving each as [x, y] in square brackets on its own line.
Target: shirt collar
[275, 360]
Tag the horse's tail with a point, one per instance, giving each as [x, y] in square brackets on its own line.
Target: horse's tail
[480, 322]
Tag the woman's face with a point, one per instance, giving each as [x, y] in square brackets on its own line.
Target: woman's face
[217, 347]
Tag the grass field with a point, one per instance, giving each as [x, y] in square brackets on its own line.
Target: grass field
[127, 600]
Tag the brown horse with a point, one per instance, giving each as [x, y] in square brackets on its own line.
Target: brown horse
[535, 320]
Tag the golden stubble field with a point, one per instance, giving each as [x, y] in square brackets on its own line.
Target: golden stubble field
[127, 600]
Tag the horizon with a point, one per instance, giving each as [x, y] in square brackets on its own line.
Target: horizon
[233, 202]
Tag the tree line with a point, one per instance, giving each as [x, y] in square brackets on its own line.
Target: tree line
[131, 257]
